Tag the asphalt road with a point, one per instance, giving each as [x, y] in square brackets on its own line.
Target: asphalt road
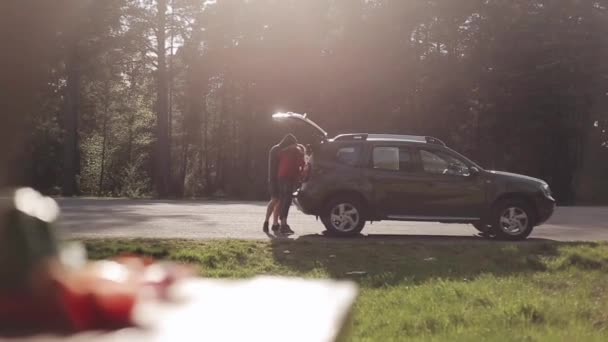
[121, 218]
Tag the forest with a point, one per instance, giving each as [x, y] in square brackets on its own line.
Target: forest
[173, 98]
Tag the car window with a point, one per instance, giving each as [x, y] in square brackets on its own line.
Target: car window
[406, 162]
[438, 162]
[348, 155]
[393, 158]
[386, 158]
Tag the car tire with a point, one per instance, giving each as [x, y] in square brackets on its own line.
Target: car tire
[344, 216]
[484, 229]
[512, 220]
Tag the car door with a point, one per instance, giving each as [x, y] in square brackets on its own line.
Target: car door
[454, 191]
[396, 181]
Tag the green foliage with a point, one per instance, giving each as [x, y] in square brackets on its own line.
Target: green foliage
[91, 164]
[517, 85]
[133, 184]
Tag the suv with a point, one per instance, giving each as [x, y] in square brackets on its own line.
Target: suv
[355, 178]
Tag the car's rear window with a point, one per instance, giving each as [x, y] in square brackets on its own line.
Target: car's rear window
[394, 158]
[386, 158]
[348, 155]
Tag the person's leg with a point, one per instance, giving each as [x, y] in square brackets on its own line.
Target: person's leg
[283, 203]
[288, 201]
[275, 212]
[275, 195]
[271, 209]
[287, 197]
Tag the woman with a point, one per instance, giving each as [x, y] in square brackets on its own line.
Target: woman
[273, 183]
[291, 163]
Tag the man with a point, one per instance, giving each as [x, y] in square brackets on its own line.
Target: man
[273, 185]
[291, 163]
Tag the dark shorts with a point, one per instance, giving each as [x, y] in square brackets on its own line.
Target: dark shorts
[273, 189]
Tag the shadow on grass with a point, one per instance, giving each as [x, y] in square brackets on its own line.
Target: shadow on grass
[373, 261]
[386, 260]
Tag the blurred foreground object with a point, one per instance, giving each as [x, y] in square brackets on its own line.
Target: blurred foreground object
[48, 286]
[27, 239]
[268, 309]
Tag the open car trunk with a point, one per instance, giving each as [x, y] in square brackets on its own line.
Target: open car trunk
[308, 131]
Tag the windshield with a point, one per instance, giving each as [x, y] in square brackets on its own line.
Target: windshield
[467, 160]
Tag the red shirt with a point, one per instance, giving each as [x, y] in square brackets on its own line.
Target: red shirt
[290, 162]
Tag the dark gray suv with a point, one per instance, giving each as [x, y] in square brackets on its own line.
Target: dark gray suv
[355, 178]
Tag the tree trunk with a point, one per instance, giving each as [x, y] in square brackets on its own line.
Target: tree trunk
[205, 152]
[72, 106]
[171, 76]
[104, 136]
[222, 145]
[184, 168]
[131, 121]
[163, 155]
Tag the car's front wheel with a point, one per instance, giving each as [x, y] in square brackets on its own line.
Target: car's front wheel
[344, 216]
[512, 220]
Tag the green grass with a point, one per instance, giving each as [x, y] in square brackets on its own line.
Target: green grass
[435, 290]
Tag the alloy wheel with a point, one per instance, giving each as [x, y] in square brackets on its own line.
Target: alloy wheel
[514, 221]
[344, 217]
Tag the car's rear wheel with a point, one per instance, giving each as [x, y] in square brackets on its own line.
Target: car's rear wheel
[484, 229]
[512, 220]
[344, 216]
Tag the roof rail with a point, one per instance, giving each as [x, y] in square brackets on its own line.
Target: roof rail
[351, 136]
[396, 137]
[435, 141]
[393, 137]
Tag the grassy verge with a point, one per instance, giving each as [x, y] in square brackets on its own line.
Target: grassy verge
[441, 290]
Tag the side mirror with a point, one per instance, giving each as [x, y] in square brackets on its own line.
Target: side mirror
[474, 171]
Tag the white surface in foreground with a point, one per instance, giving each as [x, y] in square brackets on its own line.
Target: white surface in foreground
[265, 309]
[262, 309]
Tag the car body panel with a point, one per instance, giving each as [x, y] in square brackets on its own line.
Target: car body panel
[454, 196]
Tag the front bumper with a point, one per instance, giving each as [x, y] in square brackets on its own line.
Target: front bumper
[545, 207]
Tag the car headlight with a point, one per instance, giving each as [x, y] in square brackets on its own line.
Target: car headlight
[546, 190]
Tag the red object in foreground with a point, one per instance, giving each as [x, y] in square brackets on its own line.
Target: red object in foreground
[99, 305]
[21, 312]
[89, 309]
[99, 297]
